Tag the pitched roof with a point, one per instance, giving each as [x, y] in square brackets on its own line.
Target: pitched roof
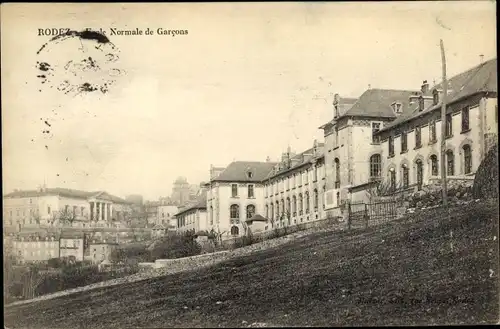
[238, 171]
[481, 78]
[70, 193]
[200, 203]
[299, 160]
[377, 103]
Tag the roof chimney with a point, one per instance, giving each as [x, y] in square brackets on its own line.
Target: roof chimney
[369, 86]
[481, 59]
[268, 159]
[425, 87]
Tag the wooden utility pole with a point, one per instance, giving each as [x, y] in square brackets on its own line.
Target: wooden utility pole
[443, 128]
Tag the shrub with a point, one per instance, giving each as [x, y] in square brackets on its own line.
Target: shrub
[132, 253]
[486, 179]
[177, 246]
[54, 263]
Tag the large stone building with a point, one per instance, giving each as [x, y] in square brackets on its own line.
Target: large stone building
[28, 248]
[236, 193]
[349, 141]
[193, 217]
[59, 206]
[409, 152]
[384, 135]
[394, 136]
[294, 189]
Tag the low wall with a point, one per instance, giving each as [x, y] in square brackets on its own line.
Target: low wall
[195, 261]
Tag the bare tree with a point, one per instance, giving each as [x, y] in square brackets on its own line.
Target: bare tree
[66, 216]
[35, 216]
[31, 280]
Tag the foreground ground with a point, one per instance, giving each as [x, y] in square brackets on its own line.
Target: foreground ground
[434, 268]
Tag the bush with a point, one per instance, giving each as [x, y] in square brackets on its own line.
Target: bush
[486, 179]
[54, 263]
[132, 253]
[176, 246]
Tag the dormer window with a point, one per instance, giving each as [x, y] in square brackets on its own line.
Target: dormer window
[435, 97]
[249, 174]
[420, 104]
[397, 107]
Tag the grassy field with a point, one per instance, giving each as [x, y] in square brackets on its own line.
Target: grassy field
[436, 267]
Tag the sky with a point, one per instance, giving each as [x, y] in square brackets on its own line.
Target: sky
[246, 81]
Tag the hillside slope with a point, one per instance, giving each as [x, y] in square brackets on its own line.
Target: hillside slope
[433, 268]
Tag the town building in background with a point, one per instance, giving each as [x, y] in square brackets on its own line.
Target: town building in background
[183, 192]
[34, 247]
[59, 206]
[166, 213]
[100, 250]
[72, 245]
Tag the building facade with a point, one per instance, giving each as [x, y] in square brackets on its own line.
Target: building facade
[234, 194]
[35, 248]
[166, 213]
[72, 245]
[349, 141]
[294, 189]
[410, 147]
[194, 216]
[100, 251]
[57, 206]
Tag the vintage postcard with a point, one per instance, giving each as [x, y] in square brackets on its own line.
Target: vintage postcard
[180, 165]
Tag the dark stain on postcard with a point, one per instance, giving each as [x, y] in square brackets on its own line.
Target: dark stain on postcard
[78, 63]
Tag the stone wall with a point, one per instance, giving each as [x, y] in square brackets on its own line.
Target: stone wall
[458, 190]
[190, 262]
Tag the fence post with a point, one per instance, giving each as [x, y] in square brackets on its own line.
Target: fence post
[366, 216]
[348, 215]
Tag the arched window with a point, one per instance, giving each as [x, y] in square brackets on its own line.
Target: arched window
[301, 204]
[235, 230]
[283, 207]
[392, 179]
[420, 174]
[450, 163]
[434, 165]
[306, 200]
[375, 166]
[267, 211]
[272, 211]
[234, 211]
[288, 205]
[277, 209]
[467, 159]
[294, 205]
[406, 175]
[250, 210]
[211, 215]
[337, 172]
[315, 200]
